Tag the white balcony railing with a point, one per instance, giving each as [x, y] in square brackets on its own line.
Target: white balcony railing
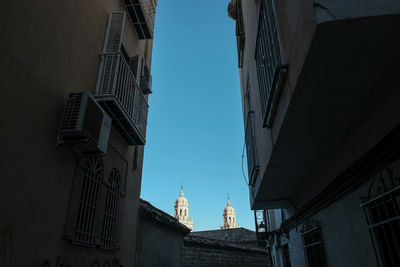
[118, 92]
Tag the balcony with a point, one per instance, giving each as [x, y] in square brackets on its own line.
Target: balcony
[142, 13]
[120, 96]
[340, 103]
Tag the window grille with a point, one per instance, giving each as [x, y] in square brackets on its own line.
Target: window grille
[252, 164]
[313, 245]
[240, 34]
[110, 224]
[286, 256]
[382, 212]
[269, 60]
[85, 228]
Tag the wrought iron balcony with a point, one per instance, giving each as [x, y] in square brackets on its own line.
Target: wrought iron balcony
[142, 13]
[117, 91]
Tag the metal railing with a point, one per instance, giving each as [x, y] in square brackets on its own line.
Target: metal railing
[116, 80]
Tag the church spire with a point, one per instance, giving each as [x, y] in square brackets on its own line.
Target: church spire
[182, 210]
[229, 216]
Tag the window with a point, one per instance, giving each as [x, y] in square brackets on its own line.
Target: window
[382, 212]
[240, 34]
[229, 219]
[109, 236]
[269, 60]
[85, 227]
[180, 212]
[313, 246]
[185, 212]
[252, 164]
[262, 226]
[286, 256]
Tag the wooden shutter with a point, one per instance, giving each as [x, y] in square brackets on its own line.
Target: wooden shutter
[111, 57]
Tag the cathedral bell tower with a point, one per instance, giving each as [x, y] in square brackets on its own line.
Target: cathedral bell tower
[229, 217]
[182, 211]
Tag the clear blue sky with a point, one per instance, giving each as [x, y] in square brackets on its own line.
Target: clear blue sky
[195, 131]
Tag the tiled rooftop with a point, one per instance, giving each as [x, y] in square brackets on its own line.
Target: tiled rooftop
[235, 235]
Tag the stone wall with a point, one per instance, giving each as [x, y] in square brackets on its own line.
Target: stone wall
[207, 252]
[160, 238]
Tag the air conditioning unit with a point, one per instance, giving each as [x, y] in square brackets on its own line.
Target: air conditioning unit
[85, 125]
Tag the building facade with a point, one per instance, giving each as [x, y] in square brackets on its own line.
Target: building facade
[182, 211]
[200, 251]
[76, 80]
[156, 229]
[319, 94]
[229, 215]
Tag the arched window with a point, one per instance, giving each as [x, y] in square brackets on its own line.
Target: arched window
[382, 209]
[185, 212]
[109, 236]
[229, 219]
[233, 219]
[93, 175]
[180, 212]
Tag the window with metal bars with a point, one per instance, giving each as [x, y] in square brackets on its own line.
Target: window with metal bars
[313, 245]
[110, 223]
[240, 33]
[252, 163]
[269, 60]
[382, 212]
[286, 256]
[85, 227]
